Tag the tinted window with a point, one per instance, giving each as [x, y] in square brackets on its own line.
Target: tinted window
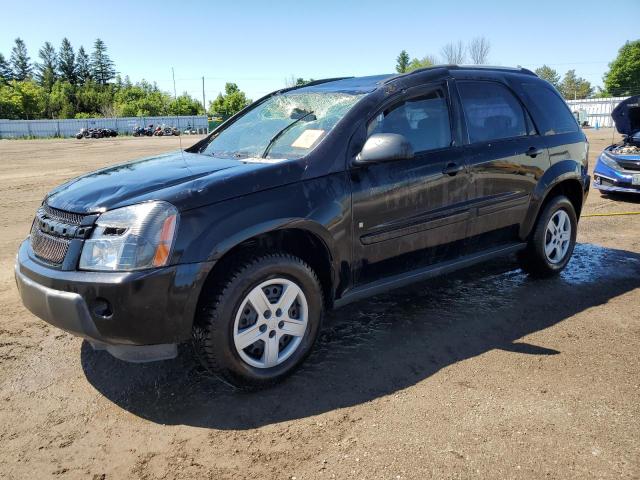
[551, 112]
[424, 121]
[491, 111]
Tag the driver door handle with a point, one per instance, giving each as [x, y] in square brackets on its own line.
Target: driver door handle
[452, 168]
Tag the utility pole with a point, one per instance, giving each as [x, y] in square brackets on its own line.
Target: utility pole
[204, 105]
[173, 75]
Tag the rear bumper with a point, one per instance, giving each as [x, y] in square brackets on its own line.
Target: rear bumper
[116, 311]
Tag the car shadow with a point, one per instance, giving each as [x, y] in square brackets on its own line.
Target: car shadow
[624, 197]
[377, 346]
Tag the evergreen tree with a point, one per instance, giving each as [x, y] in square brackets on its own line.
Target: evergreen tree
[83, 66]
[67, 62]
[5, 70]
[574, 87]
[20, 61]
[101, 65]
[402, 62]
[549, 74]
[46, 71]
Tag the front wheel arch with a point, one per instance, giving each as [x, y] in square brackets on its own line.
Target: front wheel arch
[299, 242]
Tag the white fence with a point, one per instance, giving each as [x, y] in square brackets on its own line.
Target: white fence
[68, 128]
[598, 110]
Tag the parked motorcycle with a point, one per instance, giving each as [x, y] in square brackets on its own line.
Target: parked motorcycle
[96, 133]
[143, 131]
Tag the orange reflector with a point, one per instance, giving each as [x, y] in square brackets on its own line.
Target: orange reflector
[164, 245]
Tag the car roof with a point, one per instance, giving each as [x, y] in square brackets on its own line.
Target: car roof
[361, 85]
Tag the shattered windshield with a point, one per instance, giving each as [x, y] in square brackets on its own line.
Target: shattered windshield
[285, 126]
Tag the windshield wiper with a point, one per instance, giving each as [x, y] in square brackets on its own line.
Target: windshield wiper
[275, 138]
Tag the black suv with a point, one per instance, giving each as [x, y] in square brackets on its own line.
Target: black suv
[308, 199]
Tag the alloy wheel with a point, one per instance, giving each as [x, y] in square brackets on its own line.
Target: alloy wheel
[270, 323]
[557, 237]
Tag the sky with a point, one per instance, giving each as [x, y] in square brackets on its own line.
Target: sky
[259, 44]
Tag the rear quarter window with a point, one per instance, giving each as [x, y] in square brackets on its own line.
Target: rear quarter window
[551, 113]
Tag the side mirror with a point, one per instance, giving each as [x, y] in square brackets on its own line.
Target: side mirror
[384, 147]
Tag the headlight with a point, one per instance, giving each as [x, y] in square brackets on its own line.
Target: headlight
[131, 238]
[610, 162]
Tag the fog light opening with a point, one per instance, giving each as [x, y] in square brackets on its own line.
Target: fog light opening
[102, 308]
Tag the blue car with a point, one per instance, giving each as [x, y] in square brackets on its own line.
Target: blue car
[618, 167]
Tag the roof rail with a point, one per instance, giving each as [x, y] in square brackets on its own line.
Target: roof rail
[463, 67]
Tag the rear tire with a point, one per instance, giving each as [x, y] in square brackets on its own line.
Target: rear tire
[553, 239]
[253, 346]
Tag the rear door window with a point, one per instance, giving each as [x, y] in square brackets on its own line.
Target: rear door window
[551, 112]
[423, 120]
[492, 112]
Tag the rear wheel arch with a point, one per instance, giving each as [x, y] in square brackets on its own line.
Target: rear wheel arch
[563, 178]
[570, 188]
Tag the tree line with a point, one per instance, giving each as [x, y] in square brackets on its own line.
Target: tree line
[66, 83]
[622, 78]
[75, 84]
[475, 51]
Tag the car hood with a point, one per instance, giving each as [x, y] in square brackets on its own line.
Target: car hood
[185, 179]
[626, 116]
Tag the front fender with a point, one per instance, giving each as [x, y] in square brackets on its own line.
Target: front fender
[320, 206]
[561, 171]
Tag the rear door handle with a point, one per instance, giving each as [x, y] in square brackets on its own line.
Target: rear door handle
[533, 152]
[452, 168]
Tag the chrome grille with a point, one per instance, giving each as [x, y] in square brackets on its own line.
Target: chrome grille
[52, 246]
[47, 247]
[62, 216]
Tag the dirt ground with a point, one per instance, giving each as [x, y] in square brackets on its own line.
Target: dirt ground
[483, 373]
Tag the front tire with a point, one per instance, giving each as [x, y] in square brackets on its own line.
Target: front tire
[553, 239]
[258, 325]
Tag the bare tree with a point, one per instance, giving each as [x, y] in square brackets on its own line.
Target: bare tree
[290, 81]
[478, 49]
[453, 53]
[432, 59]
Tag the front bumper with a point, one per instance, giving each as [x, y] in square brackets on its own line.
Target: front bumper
[607, 179]
[136, 316]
